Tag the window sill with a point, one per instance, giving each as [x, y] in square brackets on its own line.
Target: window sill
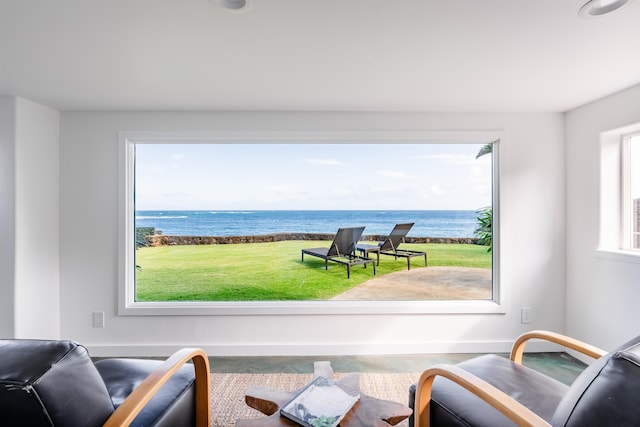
[619, 255]
[310, 308]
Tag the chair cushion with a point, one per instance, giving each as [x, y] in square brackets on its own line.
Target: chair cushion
[173, 405]
[452, 405]
[46, 383]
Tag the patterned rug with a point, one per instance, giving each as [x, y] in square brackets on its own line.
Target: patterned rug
[228, 390]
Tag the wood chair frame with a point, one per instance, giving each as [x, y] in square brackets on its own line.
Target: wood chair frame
[136, 401]
[511, 408]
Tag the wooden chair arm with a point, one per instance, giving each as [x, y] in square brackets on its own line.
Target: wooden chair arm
[134, 403]
[518, 346]
[512, 409]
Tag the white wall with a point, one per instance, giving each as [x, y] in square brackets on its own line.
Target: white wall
[7, 215]
[30, 262]
[533, 262]
[37, 267]
[603, 289]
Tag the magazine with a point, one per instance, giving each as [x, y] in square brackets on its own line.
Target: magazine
[322, 403]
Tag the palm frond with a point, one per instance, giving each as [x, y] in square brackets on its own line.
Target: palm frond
[486, 149]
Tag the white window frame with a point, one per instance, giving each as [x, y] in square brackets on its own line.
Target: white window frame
[611, 244]
[626, 239]
[126, 230]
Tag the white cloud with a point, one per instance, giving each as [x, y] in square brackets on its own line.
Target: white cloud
[454, 159]
[437, 190]
[394, 174]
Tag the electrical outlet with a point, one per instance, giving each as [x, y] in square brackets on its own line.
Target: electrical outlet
[98, 319]
[525, 315]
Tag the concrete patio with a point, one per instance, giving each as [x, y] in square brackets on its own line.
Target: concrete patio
[425, 283]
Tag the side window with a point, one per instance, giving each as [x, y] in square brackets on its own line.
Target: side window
[631, 192]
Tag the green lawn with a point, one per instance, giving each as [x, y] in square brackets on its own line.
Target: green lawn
[270, 271]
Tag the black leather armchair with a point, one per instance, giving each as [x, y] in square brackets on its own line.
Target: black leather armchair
[495, 391]
[55, 383]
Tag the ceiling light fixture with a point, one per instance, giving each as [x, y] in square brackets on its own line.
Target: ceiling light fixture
[594, 8]
[233, 4]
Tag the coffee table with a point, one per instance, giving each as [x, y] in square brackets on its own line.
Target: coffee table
[368, 412]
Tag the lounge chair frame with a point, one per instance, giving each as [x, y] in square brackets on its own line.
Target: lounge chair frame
[135, 402]
[342, 250]
[390, 246]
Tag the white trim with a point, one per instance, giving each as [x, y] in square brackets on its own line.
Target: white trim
[625, 194]
[126, 247]
[286, 308]
[497, 291]
[618, 255]
[612, 222]
[299, 137]
[627, 167]
[409, 348]
[126, 226]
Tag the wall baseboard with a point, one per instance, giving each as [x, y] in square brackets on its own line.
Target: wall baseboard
[151, 350]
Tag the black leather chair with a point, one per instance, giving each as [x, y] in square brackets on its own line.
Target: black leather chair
[494, 391]
[55, 383]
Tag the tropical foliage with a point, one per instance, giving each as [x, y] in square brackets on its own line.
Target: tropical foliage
[486, 149]
[484, 231]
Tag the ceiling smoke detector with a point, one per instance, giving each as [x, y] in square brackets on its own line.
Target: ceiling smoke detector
[594, 8]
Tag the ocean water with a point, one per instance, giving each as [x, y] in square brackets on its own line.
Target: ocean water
[429, 223]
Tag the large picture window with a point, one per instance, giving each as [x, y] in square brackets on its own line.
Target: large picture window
[218, 224]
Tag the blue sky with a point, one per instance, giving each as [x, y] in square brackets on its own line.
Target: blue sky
[311, 176]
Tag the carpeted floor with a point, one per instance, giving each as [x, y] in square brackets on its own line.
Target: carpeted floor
[228, 390]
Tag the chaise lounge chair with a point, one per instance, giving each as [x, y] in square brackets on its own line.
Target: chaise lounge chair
[342, 250]
[390, 246]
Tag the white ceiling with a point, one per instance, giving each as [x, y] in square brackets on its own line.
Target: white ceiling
[316, 55]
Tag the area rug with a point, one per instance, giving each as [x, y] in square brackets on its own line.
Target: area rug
[228, 391]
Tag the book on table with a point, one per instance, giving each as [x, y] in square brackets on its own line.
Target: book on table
[321, 403]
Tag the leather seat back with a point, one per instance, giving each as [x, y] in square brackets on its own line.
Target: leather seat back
[607, 392]
[50, 383]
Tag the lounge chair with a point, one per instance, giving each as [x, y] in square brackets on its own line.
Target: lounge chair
[390, 246]
[491, 390]
[45, 383]
[342, 250]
